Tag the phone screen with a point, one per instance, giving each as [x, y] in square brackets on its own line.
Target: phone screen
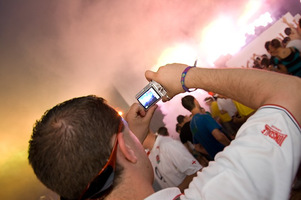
[148, 98]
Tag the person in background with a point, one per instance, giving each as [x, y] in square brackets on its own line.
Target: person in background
[205, 130]
[222, 118]
[163, 131]
[243, 113]
[198, 151]
[290, 58]
[294, 34]
[173, 165]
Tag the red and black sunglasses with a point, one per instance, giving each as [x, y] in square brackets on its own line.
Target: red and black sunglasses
[101, 185]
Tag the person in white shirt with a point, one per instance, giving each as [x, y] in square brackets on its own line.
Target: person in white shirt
[173, 164]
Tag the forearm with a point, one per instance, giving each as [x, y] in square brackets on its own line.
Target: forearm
[252, 88]
[225, 141]
[185, 182]
[200, 148]
[221, 137]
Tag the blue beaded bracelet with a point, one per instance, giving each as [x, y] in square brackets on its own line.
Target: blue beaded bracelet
[183, 80]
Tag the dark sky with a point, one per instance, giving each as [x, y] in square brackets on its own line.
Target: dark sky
[54, 50]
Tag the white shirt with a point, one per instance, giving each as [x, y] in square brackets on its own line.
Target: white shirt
[294, 43]
[260, 163]
[227, 105]
[171, 162]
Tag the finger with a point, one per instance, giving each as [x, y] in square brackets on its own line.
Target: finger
[150, 112]
[132, 112]
[140, 111]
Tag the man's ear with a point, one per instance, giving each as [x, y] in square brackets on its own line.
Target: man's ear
[126, 150]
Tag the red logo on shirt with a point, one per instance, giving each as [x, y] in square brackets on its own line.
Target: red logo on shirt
[158, 159]
[274, 133]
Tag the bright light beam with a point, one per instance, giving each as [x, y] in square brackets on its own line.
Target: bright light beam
[180, 53]
[221, 37]
[250, 9]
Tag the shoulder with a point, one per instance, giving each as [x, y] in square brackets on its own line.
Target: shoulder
[295, 43]
[166, 142]
[198, 116]
[174, 144]
[201, 118]
[163, 139]
[273, 121]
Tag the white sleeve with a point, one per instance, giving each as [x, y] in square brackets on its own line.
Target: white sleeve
[220, 104]
[260, 163]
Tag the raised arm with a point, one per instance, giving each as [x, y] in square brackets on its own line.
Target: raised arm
[291, 25]
[185, 183]
[250, 87]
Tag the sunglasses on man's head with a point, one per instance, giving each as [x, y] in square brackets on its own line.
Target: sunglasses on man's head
[101, 185]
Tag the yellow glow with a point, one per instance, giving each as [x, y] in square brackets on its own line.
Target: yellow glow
[180, 53]
[221, 37]
[120, 113]
[251, 8]
[226, 35]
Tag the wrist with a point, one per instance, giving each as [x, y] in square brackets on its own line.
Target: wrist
[184, 81]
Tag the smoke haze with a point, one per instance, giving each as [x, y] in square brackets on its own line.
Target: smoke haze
[51, 51]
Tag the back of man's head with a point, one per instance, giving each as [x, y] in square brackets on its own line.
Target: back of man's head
[265, 62]
[180, 119]
[267, 45]
[178, 128]
[288, 31]
[275, 43]
[71, 144]
[285, 41]
[188, 102]
[163, 131]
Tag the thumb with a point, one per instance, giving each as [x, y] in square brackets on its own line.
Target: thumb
[150, 112]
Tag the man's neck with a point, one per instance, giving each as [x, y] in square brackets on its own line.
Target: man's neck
[131, 189]
[196, 111]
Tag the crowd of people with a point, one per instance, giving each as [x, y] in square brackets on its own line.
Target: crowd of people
[283, 53]
[246, 146]
[218, 126]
